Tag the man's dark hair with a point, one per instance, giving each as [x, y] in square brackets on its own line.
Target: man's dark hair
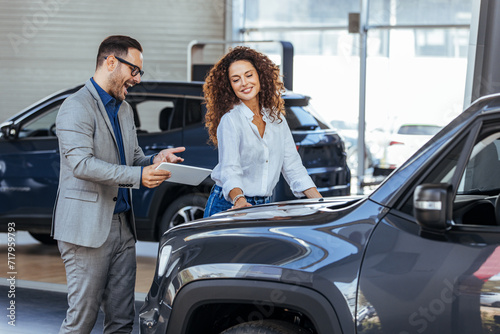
[116, 45]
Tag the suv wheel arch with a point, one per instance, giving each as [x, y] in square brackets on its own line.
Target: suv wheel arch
[266, 327]
[263, 301]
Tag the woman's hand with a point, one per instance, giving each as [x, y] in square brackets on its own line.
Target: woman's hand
[312, 193]
[241, 203]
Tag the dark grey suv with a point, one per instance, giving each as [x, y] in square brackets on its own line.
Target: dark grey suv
[421, 254]
[167, 114]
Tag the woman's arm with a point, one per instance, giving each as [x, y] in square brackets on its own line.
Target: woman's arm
[230, 171]
[241, 201]
[293, 170]
[312, 193]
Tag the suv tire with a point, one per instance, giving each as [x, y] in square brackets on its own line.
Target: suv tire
[265, 327]
[182, 210]
[45, 239]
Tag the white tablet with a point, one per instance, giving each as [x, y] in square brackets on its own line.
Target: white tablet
[185, 174]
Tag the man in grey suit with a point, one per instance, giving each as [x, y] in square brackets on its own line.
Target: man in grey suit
[101, 162]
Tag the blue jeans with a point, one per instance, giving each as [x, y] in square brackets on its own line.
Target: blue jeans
[217, 203]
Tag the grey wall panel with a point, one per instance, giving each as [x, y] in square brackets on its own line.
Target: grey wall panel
[48, 45]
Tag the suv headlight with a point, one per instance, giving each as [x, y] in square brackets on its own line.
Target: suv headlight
[164, 256]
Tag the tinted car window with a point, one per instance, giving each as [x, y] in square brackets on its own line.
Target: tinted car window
[301, 118]
[442, 173]
[480, 179]
[482, 173]
[194, 112]
[149, 114]
[42, 126]
[153, 116]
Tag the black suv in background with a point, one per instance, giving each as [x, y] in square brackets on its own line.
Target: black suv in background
[167, 114]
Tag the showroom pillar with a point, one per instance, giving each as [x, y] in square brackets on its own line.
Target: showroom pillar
[363, 36]
[483, 72]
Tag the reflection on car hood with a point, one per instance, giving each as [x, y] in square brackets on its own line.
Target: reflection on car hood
[315, 131]
[287, 209]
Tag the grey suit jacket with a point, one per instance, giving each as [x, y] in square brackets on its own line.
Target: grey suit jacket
[90, 168]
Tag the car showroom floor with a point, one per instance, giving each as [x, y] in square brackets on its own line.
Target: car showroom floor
[37, 285]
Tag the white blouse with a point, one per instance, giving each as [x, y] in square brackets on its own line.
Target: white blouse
[252, 163]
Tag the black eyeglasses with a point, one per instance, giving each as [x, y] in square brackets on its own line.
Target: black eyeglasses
[135, 69]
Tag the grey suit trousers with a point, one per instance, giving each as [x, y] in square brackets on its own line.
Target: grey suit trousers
[101, 277]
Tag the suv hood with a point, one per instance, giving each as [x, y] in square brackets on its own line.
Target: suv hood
[284, 210]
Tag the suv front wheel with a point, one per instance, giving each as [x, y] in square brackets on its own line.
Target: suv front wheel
[45, 239]
[184, 209]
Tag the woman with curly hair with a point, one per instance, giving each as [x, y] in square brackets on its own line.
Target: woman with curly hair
[246, 121]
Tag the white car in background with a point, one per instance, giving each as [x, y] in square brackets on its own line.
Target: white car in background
[490, 299]
[403, 143]
[375, 143]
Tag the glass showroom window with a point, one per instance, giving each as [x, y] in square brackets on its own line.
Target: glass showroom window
[416, 56]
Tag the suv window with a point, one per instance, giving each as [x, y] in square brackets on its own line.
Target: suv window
[195, 112]
[42, 126]
[302, 118]
[479, 184]
[482, 173]
[156, 115]
[482, 168]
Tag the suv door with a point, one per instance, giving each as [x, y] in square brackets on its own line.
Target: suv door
[29, 169]
[200, 153]
[159, 124]
[417, 280]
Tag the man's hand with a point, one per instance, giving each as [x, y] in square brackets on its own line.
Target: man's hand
[152, 177]
[169, 156]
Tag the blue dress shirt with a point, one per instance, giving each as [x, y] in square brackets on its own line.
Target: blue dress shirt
[112, 107]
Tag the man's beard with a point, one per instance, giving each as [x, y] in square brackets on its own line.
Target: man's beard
[116, 90]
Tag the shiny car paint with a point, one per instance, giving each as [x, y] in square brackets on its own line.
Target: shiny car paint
[349, 264]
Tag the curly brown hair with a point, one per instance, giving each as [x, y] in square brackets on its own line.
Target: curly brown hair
[220, 97]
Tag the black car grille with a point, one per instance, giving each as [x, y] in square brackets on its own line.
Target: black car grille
[325, 159]
[330, 178]
[328, 151]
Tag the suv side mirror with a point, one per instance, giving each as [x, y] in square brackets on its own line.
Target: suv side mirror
[432, 209]
[5, 129]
